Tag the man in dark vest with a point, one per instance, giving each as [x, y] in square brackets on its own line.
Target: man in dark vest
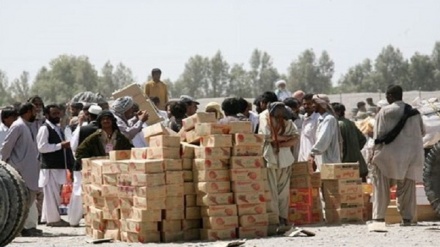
[56, 159]
[83, 132]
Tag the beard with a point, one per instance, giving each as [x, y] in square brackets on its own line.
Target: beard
[55, 120]
[32, 119]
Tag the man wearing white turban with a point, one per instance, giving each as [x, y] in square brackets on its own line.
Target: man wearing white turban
[281, 91]
[122, 108]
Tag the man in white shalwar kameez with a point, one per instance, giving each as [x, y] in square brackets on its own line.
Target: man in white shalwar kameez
[308, 129]
[56, 157]
[399, 162]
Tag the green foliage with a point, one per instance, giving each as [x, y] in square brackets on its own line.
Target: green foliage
[262, 74]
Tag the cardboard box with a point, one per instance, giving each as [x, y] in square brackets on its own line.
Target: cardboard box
[251, 209]
[96, 179]
[173, 236]
[343, 215]
[300, 215]
[119, 155]
[164, 141]
[125, 179]
[139, 214]
[142, 237]
[173, 214]
[220, 222]
[208, 152]
[189, 189]
[174, 177]
[95, 190]
[215, 199]
[188, 150]
[211, 164]
[86, 177]
[109, 190]
[175, 190]
[126, 214]
[191, 235]
[200, 117]
[246, 174]
[252, 232]
[218, 234]
[111, 202]
[125, 203]
[247, 150]
[316, 180]
[187, 164]
[106, 225]
[216, 141]
[211, 175]
[240, 162]
[151, 191]
[221, 210]
[146, 166]
[301, 181]
[254, 220]
[155, 129]
[163, 153]
[173, 202]
[191, 224]
[343, 200]
[303, 196]
[340, 171]
[248, 140]
[149, 204]
[192, 137]
[97, 202]
[139, 153]
[302, 168]
[146, 105]
[126, 191]
[110, 179]
[244, 198]
[192, 213]
[205, 129]
[113, 214]
[130, 90]
[114, 167]
[248, 186]
[138, 227]
[172, 164]
[317, 216]
[243, 127]
[342, 186]
[190, 200]
[149, 180]
[213, 187]
[97, 234]
[188, 176]
[170, 226]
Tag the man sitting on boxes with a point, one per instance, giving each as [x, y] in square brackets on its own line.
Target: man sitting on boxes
[122, 108]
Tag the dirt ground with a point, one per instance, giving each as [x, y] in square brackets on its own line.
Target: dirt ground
[424, 234]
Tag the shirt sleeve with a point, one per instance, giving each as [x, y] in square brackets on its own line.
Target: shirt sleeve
[324, 137]
[147, 89]
[9, 143]
[43, 141]
[130, 132]
[75, 139]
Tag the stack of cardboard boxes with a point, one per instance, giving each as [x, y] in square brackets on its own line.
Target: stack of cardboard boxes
[305, 203]
[343, 195]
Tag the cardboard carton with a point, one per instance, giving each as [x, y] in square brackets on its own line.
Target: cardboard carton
[343, 215]
[109, 190]
[155, 129]
[301, 181]
[300, 215]
[188, 176]
[243, 127]
[316, 216]
[173, 202]
[173, 236]
[187, 164]
[221, 210]
[302, 168]
[113, 214]
[316, 180]
[246, 174]
[200, 117]
[188, 150]
[213, 187]
[114, 167]
[97, 234]
[126, 191]
[191, 235]
[241, 162]
[247, 150]
[189, 189]
[164, 141]
[190, 200]
[251, 209]
[192, 137]
[96, 179]
[97, 202]
[174, 177]
[220, 222]
[205, 129]
[170, 226]
[340, 171]
[244, 198]
[254, 220]
[86, 177]
[248, 140]
[151, 191]
[142, 237]
[139, 214]
[218, 234]
[252, 232]
[211, 175]
[130, 90]
[215, 199]
[111, 202]
[172, 164]
[138, 227]
[264, 173]
[216, 141]
[95, 190]
[343, 200]
[208, 152]
[125, 203]
[163, 153]
[211, 164]
[116, 155]
[248, 186]
[104, 166]
[149, 204]
[192, 213]
[175, 190]
[138, 153]
[146, 166]
[342, 186]
[303, 196]
[110, 179]
[126, 213]
[173, 214]
[191, 224]
[149, 180]
[106, 225]
[125, 179]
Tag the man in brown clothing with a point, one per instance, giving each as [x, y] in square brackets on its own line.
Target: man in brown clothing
[156, 88]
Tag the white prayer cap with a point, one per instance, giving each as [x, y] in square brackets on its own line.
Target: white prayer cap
[278, 83]
[95, 109]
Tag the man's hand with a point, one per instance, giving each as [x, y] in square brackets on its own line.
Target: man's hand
[65, 144]
[143, 116]
[312, 163]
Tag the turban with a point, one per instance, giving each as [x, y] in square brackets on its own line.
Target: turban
[121, 105]
[278, 83]
[322, 99]
[214, 106]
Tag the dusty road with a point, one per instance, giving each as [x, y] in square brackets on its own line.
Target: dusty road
[424, 234]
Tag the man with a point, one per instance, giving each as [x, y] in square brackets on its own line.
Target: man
[8, 116]
[56, 158]
[156, 88]
[84, 131]
[352, 139]
[162, 113]
[20, 150]
[244, 108]
[398, 156]
[297, 119]
[75, 108]
[281, 91]
[122, 108]
[191, 105]
[327, 146]
[299, 95]
[308, 128]
[231, 108]
[254, 115]
[362, 111]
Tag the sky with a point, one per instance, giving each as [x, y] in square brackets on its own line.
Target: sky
[144, 34]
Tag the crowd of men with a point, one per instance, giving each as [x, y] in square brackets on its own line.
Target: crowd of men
[46, 144]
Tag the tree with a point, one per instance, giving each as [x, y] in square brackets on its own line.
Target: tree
[435, 58]
[358, 78]
[239, 82]
[106, 82]
[123, 76]
[20, 88]
[421, 73]
[5, 95]
[391, 68]
[263, 75]
[193, 80]
[217, 76]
